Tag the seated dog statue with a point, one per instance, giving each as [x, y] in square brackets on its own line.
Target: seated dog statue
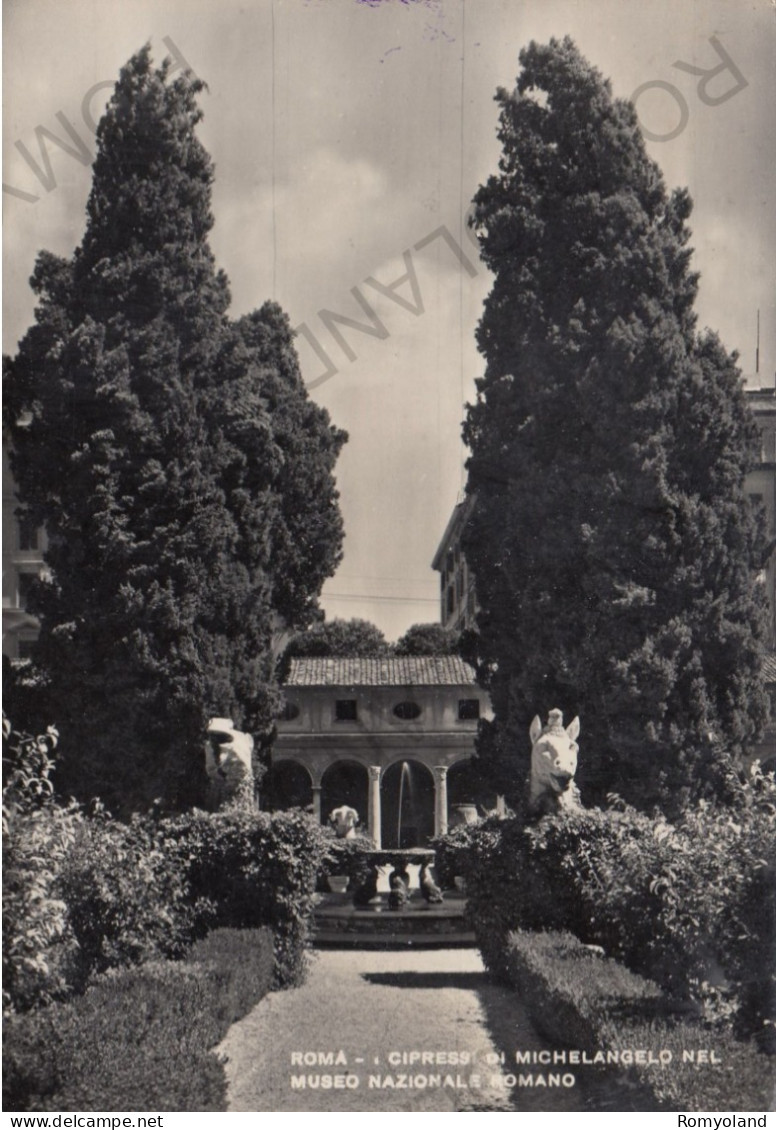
[553, 765]
[399, 893]
[428, 887]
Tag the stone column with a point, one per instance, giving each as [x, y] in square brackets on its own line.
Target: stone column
[375, 815]
[440, 799]
[317, 802]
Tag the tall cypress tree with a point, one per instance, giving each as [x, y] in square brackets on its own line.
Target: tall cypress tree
[148, 440]
[614, 549]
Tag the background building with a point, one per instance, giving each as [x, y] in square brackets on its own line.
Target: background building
[458, 599]
[23, 548]
[761, 484]
[761, 488]
[391, 737]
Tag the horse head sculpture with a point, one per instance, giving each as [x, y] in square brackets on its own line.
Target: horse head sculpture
[344, 820]
[228, 759]
[553, 765]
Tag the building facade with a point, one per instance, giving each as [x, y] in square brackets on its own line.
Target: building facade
[23, 549]
[761, 488]
[391, 737]
[458, 598]
[761, 485]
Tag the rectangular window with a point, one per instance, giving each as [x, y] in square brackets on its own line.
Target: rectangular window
[345, 710]
[24, 583]
[768, 438]
[468, 709]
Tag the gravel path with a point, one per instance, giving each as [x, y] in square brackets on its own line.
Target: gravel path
[370, 1011]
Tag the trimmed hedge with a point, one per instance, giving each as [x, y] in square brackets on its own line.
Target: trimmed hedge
[579, 999]
[140, 1038]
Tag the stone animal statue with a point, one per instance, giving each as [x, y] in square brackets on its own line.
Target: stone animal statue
[553, 765]
[344, 820]
[228, 760]
[428, 888]
[368, 889]
[399, 893]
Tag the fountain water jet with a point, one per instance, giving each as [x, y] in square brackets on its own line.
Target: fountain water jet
[406, 775]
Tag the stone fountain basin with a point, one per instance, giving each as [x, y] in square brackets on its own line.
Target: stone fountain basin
[339, 922]
[409, 860]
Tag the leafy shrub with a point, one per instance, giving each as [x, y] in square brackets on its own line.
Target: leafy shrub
[605, 863]
[723, 888]
[139, 1038]
[27, 769]
[579, 999]
[254, 869]
[40, 951]
[452, 851]
[126, 894]
[346, 857]
[38, 946]
[492, 857]
[84, 895]
[690, 905]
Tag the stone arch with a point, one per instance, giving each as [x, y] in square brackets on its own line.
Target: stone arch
[346, 782]
[412, 824]
[289, 785]
[465, 786]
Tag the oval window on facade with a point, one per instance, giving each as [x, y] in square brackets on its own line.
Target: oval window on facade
[407, 711]
[290, 712]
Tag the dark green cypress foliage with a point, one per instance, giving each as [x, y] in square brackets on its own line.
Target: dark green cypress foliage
[307, 531]
[614, 548]
[148, 440]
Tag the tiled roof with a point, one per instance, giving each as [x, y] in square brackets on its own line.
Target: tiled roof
[380, 671]
[769, 667]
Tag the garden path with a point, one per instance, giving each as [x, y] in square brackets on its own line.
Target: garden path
[369, 1004]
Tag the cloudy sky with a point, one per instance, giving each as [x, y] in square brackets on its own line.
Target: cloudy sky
[349, 137]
